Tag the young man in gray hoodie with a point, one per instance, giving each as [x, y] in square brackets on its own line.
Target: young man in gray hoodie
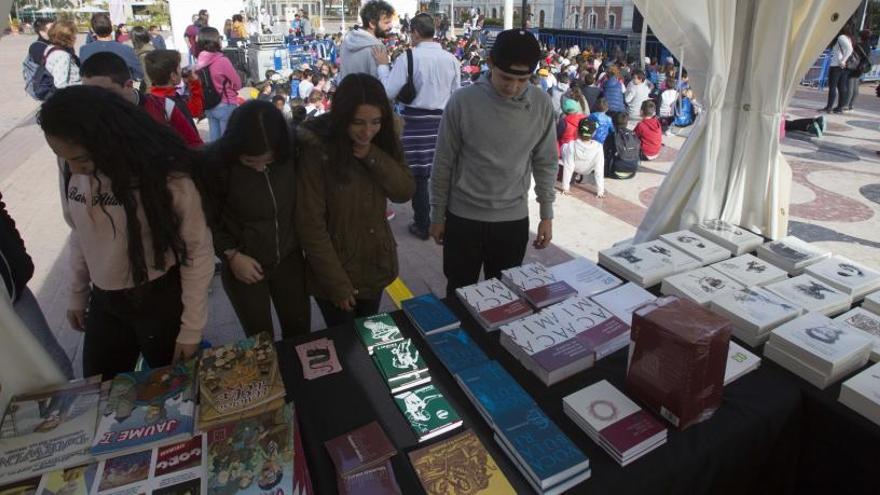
[496, 135]
[357, 47]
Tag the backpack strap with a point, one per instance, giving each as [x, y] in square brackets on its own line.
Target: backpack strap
[49, 50]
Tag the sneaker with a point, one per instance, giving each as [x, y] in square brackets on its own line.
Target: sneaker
[822, 123]
[578, 178]
[817, 129]
[389, 215]
[416, 231]
[837, 110]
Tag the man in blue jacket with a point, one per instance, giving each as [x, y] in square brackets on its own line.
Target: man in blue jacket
[104, 42]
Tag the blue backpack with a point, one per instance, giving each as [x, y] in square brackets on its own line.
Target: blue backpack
[38, 81]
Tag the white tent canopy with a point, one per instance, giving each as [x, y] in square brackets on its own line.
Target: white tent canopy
[744, 59]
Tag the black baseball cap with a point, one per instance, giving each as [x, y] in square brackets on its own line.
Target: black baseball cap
[516, 47]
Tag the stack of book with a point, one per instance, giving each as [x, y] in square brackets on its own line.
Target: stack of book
[544, 455]
[865, 321]
[792, 254]
[401, 365]
[456, 350]
[812, 294]
[750, 271]
[735, 239]
[239, 380]
[846, 276]
[872, 302]
[459, 464]
[176, 468]
[704, 250]
[614, 422]
[428, 412]
[586, 277]
[648, 263]
[537, 285]
[564, 339]
[429, 315]
[818, 349]
[861, 393]
[362, 458]
[700, 286]
[377, 330]
[754, 312]
[145, 409]
[623, 300]
[739, 362]
[492, 303]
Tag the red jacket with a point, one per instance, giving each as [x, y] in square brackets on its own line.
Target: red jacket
[568, 129]
[195, 104]
[155, 106]
[651, 136]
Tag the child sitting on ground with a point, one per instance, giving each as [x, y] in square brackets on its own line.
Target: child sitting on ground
[582, 156]
[668, 99]
[604, 125]
[649, 132]
[621, 150]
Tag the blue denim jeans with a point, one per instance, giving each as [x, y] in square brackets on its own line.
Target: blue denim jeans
[218, 117]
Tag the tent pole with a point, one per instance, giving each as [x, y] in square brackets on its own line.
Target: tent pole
[644, 40]
[864, 15]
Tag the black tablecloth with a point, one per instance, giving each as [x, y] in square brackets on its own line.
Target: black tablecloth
[757, 442]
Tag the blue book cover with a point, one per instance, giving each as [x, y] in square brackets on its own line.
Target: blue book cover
[540, 446]
[146, 408]
[456, 350]
[493, 390]
[428, 314]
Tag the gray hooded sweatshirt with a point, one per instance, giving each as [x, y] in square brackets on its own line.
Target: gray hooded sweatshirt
[488, 149]
[357, 54]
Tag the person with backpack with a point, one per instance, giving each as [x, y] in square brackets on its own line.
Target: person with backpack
[220, 82]
[110, 72]
[622, 150]
[33, 61]
[583, 155]
[604, 124]
[141, 258]
[38, 47]
[59, 59]
[163, 67]
[685, 111]
[252, 193]
[838, 72]
[862, 51]
[567, 128]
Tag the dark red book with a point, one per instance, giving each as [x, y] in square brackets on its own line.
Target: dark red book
[677, 360]
[378, 480]
[360, 449]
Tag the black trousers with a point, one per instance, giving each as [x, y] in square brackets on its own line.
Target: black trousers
[334, 316]
[471, 245]
[121, 324]
[420, 204]
[838, 82]
[800, 125]
[284, 285]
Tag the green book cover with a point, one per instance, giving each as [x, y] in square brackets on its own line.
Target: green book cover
[398, 359]
[428, 411]
[377, 330]
[408, 381]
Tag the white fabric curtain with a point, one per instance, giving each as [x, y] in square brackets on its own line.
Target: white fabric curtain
[744, 59]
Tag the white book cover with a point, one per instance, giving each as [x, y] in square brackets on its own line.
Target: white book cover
[177, 468]
[872, 302]
[739, 362]
[697, 246]
[846, 275]
[866, 385]
[529, 276]
[794, 253]
[812, 294]
[757, 306]
[586, 277]
[736, 239]
[623, 300]
[821, 342]
[650, 261]
[555, 324]
[865, 321]
[700, 285]
[486, 295]
[601, 405]
[750, 271]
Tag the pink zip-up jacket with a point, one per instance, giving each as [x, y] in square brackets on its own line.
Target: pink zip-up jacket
[221, 71]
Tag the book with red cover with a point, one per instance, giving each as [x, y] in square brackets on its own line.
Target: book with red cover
[677, 360]
[360, 449]
[378, 480]
[302, 481]
[492, 303]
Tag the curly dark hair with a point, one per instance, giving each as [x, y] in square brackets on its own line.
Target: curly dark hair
[137, 154]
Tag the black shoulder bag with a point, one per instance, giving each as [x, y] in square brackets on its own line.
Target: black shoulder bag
[407, 93]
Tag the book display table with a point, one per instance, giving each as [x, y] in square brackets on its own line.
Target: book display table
[772, 433]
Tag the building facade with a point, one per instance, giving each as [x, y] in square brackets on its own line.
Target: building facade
[594, 15]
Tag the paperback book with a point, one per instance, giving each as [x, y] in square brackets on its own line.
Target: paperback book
[648, 263]
[492, 390]
[429, 315]
[318, 358]
[735, 239]
[377, 330]
[537, 285]
[238, 380]
[378, 480]
[754, 312]
[616, 423]
[697, 246]
[750, 270]
[77, 480]
[360, 449]
[861, 393]
[401, 365]
[174, 469]
[145, 409]
[812, 294]
[872, 302]
[456, 350]
[492, 303]
[846, 276]
[428, 412]
[865, 321]
[739, 362]
[623, 300]
[459, 464]
[792, 254]
[48, 429]
[586, 277]
[700, 286]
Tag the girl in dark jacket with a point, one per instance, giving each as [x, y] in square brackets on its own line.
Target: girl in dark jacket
[351, 164]
[252, 195]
